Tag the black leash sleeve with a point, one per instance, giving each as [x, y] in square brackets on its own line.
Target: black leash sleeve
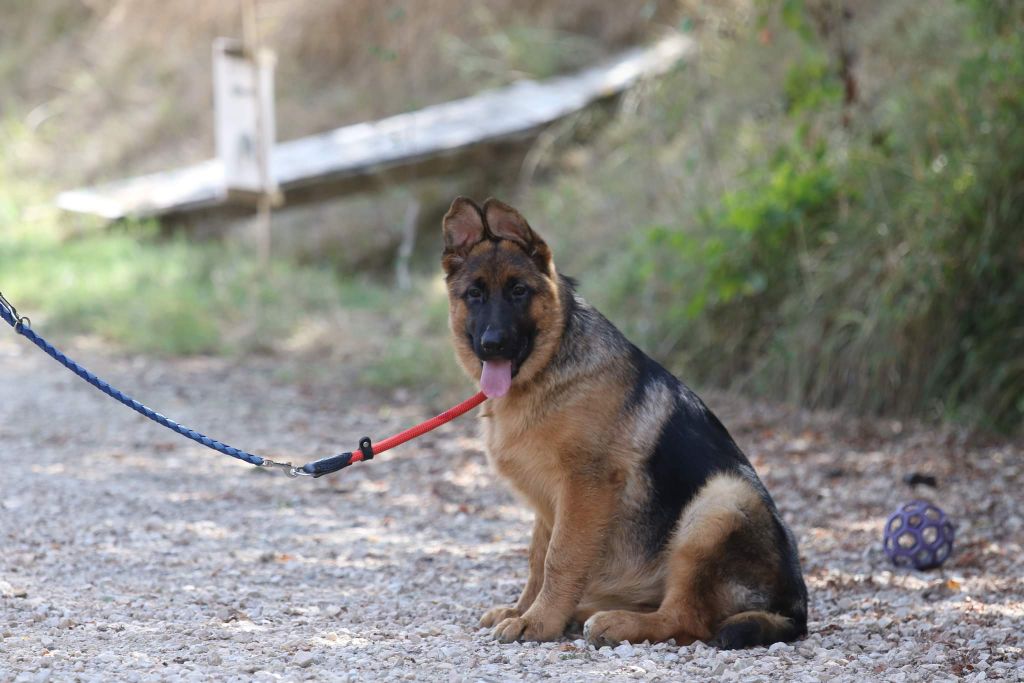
[319, 468]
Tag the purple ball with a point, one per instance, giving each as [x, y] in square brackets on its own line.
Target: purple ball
[918, 535]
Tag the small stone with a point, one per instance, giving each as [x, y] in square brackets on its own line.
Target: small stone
[9, 591]
[625, 650]
[304, 659]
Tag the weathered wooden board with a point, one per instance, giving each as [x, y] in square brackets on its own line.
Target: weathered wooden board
[243, 115]
[516, 110]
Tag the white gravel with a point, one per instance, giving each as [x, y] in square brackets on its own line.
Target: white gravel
[127, 553]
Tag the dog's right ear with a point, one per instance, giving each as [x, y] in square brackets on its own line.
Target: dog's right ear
[463, 227]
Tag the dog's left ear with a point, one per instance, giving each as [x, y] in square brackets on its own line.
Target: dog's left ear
[505, 222]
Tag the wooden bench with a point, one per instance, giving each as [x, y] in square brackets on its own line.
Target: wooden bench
[336, 161]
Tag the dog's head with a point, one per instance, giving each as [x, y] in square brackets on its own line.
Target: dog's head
[504, 307]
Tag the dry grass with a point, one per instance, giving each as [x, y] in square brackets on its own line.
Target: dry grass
[126, 85]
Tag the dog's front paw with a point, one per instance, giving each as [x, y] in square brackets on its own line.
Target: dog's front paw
[498, 614]
[526, 627]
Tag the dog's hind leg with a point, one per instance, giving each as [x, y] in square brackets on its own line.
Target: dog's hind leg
[699, 593]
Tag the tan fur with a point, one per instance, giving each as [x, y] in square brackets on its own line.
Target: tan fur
[694, 604]
[625, 578]
[564, 440]
[571, 476]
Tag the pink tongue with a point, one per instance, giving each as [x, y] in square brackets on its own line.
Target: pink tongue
[496, 378]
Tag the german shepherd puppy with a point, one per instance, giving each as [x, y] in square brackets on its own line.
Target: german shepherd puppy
[650, 522]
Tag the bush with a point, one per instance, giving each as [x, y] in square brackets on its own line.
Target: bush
[862, 252]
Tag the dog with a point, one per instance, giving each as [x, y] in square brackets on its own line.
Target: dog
[650, 523]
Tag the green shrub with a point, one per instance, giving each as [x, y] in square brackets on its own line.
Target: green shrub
[865, 254]
[151, 295]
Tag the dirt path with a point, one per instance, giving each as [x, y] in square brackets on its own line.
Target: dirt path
[129, 553]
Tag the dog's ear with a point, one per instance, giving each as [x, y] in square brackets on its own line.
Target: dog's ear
[463, 225]
[504, 222]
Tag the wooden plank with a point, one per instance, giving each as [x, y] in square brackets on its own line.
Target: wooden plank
[342, 155]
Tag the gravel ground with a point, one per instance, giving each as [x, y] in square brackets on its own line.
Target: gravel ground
[128, 553]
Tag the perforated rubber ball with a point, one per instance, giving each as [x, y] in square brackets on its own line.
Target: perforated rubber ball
[918, 535]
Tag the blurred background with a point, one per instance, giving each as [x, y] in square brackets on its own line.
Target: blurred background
[822, 204]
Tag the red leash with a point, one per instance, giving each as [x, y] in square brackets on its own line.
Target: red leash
[367, 449]
[424, 427]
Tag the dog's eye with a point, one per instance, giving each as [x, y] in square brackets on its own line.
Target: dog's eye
[519, 290]
[474, 294]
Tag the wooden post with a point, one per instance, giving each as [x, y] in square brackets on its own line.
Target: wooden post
[245, 125]
[244, 117]
[403, 277]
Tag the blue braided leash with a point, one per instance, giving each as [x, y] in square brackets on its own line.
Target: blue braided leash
[22, 325]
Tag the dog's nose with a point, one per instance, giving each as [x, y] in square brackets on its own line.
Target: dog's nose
[493, 341]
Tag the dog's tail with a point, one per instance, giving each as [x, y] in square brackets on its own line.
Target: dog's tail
[749, 629]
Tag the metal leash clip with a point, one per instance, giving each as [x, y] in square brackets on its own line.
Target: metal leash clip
[289, 469]
[19, 320]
